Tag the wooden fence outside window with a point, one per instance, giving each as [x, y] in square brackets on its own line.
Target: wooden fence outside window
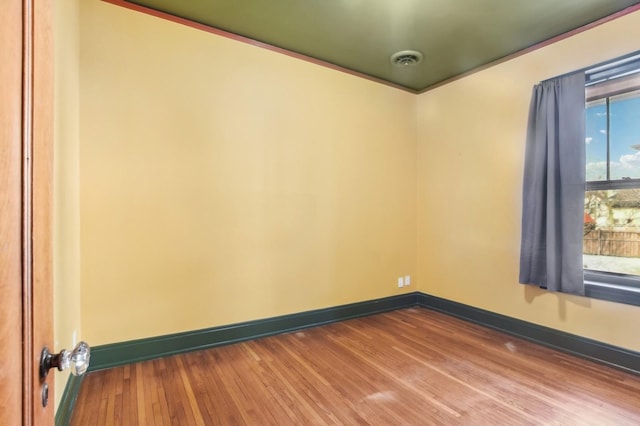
[612, 243]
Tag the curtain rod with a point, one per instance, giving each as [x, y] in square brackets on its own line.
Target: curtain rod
[630, 57]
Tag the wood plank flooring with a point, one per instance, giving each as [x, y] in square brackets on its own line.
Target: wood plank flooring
[406, 367]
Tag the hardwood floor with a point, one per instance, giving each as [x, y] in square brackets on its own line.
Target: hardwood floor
[410, 367]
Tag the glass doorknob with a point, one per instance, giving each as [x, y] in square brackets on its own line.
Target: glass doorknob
[78, 359]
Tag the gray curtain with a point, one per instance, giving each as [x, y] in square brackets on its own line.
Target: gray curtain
[553, 189]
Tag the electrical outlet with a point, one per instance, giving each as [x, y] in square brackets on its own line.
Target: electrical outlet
[407, 280]
[400, 282]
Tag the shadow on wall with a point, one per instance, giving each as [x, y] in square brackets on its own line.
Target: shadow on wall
[531, 292]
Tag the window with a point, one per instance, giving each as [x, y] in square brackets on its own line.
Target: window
[611, 245]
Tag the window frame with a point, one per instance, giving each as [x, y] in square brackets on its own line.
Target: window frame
[611, 286]
[621, 288]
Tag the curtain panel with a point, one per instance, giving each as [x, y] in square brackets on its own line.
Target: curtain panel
[554, 186]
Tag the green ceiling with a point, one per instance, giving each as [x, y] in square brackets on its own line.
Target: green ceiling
[455, 36]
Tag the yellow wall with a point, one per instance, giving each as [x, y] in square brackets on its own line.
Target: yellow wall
[220, 182]
[66, 268]
[471, 136]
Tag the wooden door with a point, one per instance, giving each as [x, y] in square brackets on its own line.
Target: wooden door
[26, 143]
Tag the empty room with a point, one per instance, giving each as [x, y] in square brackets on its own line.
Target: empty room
[325, 212]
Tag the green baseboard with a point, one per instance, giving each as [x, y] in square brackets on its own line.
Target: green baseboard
[116, 354]
[565, 342]
[68, 400]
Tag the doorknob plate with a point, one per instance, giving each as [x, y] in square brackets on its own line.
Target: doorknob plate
[48, 361]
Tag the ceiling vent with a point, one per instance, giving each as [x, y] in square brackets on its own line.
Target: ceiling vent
[406, 58]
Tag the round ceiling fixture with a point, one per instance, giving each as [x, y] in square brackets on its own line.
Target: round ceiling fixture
[406, 58]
